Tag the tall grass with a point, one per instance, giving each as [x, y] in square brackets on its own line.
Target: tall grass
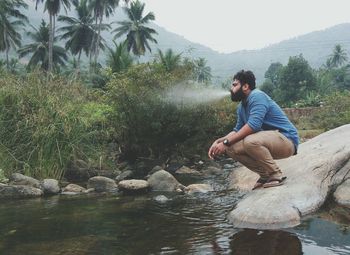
[43, 125]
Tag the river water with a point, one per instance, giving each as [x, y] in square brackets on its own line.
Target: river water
[139, 224]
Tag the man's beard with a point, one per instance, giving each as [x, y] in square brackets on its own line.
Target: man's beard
[238, 96]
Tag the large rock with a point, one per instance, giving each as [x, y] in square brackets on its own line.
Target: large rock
[19, 191]
[342, 194]
[321, 164]
[50, 186]
[133, 185]
[164, 181]
[20, 179]
[102, 184]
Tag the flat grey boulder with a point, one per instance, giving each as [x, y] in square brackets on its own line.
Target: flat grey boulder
[50, 186]
[164, 181]
[342, 194]
[20, 179]
[102, 184]
[133, 185]
[321, 164]
[19, 191]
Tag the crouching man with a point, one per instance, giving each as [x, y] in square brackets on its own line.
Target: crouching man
[262, 133]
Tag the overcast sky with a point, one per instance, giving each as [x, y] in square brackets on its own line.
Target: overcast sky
[231, 25]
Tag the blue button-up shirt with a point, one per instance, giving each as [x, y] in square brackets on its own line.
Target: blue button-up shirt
[260, 112]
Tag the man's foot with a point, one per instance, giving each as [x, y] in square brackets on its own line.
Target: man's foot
[274, 181]
[259, 183]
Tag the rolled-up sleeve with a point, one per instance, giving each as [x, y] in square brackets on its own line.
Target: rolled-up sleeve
[239, 123]
[258, 105]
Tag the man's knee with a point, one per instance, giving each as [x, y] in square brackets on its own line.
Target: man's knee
[235, 149]
[251, 141]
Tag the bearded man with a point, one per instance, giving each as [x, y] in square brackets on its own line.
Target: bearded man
[262, 133]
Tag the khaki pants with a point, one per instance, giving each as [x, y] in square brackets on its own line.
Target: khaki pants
[258, 151]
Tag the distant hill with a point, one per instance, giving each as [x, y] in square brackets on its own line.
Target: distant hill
[315, 47]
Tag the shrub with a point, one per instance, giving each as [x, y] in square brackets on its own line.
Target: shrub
[336, 111]
[147, 125]
[43, 124]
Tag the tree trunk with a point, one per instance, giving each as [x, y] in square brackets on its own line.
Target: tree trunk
[97, 46]
[7, 49]
[93, 47]
[51, 28]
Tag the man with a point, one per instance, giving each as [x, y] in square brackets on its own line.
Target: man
[262, 133]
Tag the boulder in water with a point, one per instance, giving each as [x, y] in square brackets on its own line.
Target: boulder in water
[320, 165]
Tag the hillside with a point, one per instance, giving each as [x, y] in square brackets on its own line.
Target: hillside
[315, 46]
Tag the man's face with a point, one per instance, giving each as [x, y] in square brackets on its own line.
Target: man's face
[236, 91]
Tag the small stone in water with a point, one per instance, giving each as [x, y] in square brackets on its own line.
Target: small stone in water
[161, 198]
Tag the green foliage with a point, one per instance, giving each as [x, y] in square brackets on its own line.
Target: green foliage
[273, 72]
[338, 57]
[39, 49]
[169, 60]
[335, 112]
[45, 125]
[290, 83]
[312, 99]
[138, 35]
[2, 175]
[296, 80]
[119, 59]
[148, 125]
[79, 31]
[202, 72]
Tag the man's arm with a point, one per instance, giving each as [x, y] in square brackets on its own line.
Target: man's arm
[233, 137]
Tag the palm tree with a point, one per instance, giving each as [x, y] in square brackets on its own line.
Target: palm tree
[80, 31]
[169, 60]
[202, 72]
[53, 7]
[11, 19]
[120, 58]
[339, 56]
[100, 8]
[40, 49]
[137, 34]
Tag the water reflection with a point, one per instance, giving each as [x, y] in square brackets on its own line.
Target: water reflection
[255, 242]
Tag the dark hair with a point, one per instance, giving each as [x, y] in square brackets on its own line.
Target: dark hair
[245, 77]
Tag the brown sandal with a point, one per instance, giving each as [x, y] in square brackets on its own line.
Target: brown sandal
[259, 183]
[274, 182]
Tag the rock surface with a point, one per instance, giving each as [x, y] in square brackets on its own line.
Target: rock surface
[184, 170]
[163, 181]
[73, 188]
[133, 185]
[321, 164]
[50, 186]
[20, 179]
[19, 191]
[198, 188]
[102, 184]
[342, 194]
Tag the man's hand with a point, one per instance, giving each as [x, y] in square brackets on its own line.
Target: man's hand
[216, 149]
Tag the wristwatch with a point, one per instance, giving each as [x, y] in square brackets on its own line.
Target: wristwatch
[226, 142]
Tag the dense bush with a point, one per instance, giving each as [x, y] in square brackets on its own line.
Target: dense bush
[336, 111]
[43, 124]
[148, 125]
